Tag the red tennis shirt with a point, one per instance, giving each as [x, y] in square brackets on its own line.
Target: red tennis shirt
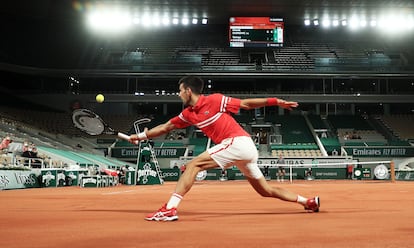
[212, 115]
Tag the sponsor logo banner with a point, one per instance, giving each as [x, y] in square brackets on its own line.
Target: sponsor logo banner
[10, 179]
[132, 152]
[171, 174]
[380, 151]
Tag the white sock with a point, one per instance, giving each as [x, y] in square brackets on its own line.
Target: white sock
[174, 201]
[302, 200]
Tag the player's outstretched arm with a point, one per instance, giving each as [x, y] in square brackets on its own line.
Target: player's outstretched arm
[153, 132]
[252, 103]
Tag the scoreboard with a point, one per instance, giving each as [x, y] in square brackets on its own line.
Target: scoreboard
[256, 32]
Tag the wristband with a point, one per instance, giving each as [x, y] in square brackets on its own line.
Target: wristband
[142, 136]
[272, 101]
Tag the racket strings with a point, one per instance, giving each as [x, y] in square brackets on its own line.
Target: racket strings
[87, 123]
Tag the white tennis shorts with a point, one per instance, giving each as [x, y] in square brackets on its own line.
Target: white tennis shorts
[239, 151]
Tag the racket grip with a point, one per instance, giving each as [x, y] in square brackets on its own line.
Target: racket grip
[125, 137]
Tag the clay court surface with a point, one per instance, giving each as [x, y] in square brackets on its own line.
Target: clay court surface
[213, 214]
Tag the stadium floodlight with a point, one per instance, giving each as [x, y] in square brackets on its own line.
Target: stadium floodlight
[354, 23]
[119, 19]
[109, 21]
[410, 24]
[155, 21]
[146, 21]
[382, 23]
[326, 23]
[363, 23]
[136, 20]
[185, 21]
[165, 21]
[398, 22]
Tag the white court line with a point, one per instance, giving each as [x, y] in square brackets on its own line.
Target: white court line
[300, 185]
[118, 192]
[130, 191]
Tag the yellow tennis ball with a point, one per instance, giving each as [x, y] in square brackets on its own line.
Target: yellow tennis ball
[100, 98]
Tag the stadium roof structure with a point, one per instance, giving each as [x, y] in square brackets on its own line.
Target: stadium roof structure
[218, 11]
[51, 34]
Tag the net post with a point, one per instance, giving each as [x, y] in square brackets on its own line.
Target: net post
[392, 171]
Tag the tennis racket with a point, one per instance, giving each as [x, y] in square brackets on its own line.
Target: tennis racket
[90, 123]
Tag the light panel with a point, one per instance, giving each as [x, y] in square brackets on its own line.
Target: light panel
[393, 22]
[104, 18]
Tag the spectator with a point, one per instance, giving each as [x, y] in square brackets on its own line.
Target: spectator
[5, 143]
[346, 136]
[266, 172]
[349, 171]
[122, 174]
[308, 174]
[355, 135]
[281, 169]
[182, 168]
[181, 135]
[30, 152]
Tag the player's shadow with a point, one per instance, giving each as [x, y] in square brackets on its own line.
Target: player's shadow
[204, 214]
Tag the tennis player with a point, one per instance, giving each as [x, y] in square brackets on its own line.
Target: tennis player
[212, 115]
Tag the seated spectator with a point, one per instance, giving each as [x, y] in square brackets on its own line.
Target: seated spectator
[34, 150]
[25, 147]
[5, 143]
[30, 152]
[26, 151]
[180, 135]
[355, 135]
[347, 136]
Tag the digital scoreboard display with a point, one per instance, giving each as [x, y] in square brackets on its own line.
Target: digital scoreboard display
[256, 32]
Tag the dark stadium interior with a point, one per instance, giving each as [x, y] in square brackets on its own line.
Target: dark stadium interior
[50, 60]
[46, 41]
[52, 34]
